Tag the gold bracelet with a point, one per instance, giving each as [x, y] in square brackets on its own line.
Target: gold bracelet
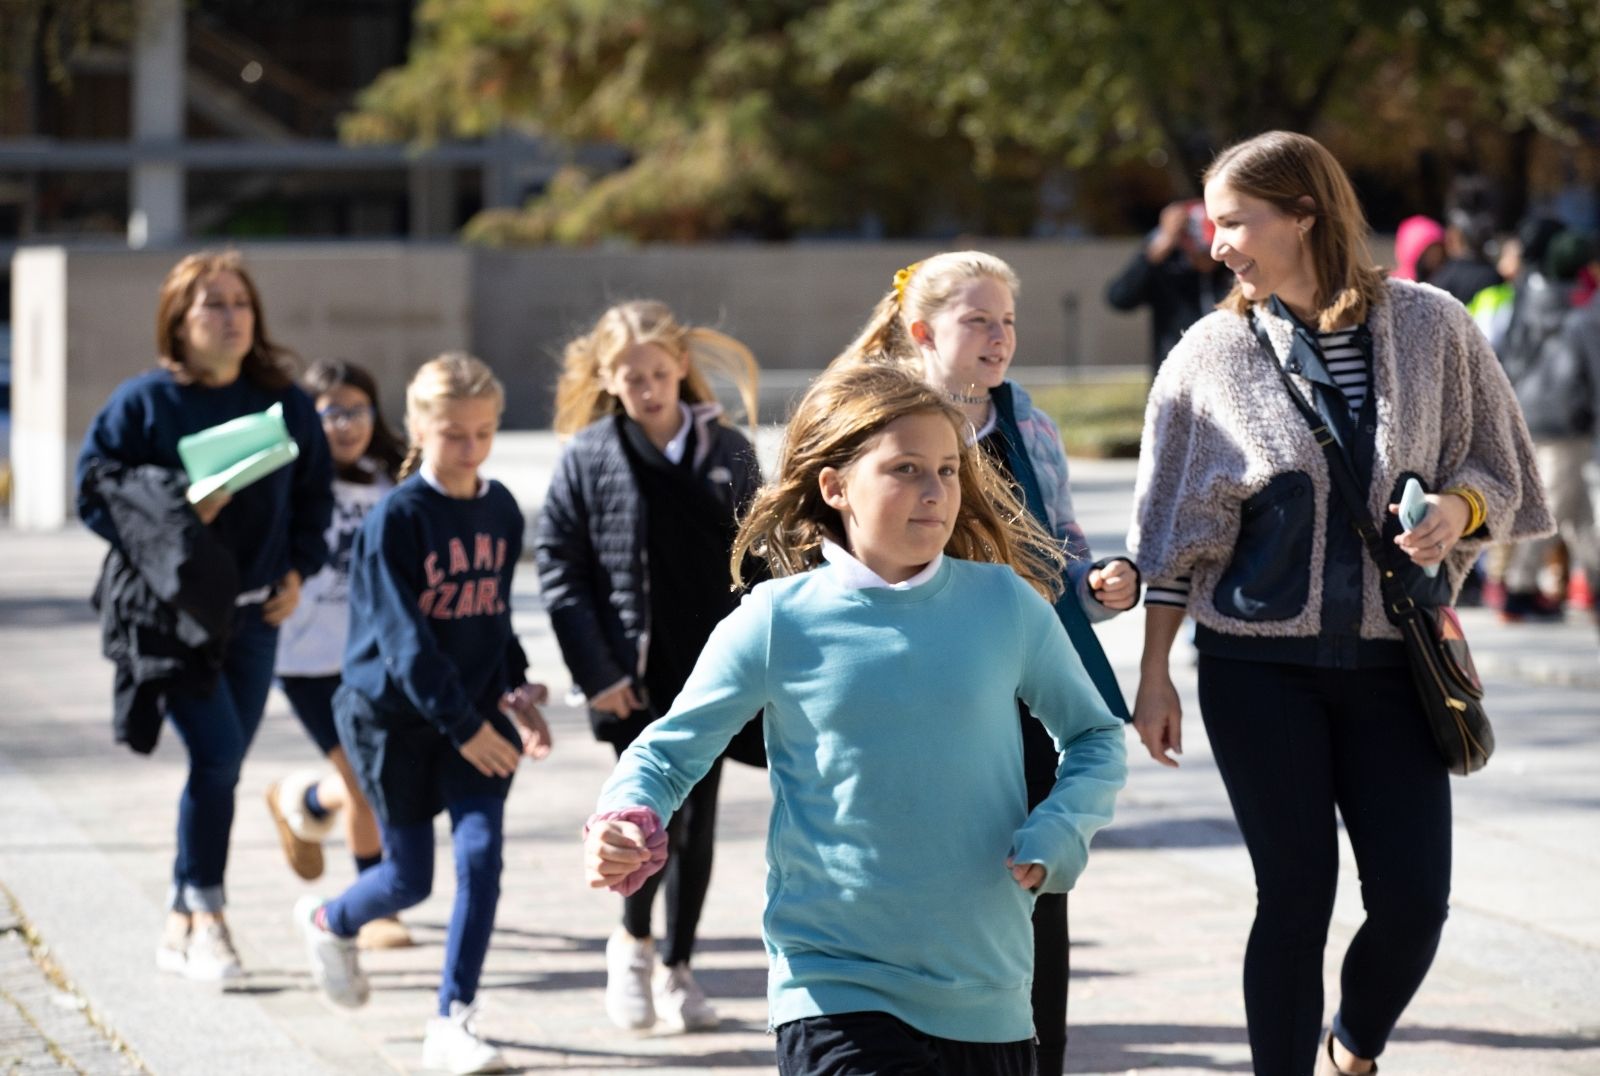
[1477, 508]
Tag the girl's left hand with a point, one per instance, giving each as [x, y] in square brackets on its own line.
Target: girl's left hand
[1029, 876]
[523, 705]
[285, 596]
[1116, 585]
[1430, 542]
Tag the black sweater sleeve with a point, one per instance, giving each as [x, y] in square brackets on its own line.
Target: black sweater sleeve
[311, 490]
[1130, 289]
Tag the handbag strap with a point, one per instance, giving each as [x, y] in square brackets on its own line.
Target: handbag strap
[1398, 604]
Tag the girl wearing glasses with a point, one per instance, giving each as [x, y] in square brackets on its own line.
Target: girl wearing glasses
[305, 804]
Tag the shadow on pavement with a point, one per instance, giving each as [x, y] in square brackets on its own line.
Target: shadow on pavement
[1219, 832]
[1119, 1048]
[1496, 1040]
[48, 612]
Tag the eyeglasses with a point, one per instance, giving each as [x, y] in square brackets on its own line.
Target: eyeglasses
[335, 415]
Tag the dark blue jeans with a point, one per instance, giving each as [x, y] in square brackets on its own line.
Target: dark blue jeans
[405, 878]
[217, 730]
[1294, 744]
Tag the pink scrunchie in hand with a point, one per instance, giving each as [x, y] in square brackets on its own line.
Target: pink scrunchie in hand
[655, 842]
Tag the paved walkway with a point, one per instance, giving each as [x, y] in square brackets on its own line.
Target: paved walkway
[1159, 920]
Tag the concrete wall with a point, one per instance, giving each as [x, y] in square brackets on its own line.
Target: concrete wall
[84, 320]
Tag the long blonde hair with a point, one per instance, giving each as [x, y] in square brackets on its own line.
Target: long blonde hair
[455, 375]
[837, 420]
[1297, 175]
[581, 397]
[920, 291]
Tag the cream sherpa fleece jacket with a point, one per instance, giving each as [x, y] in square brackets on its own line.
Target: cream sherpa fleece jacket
[1219, 425]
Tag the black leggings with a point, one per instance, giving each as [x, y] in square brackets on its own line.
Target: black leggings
[691, 838]
[1051, 951]
[1051, 961]
[1293, 743]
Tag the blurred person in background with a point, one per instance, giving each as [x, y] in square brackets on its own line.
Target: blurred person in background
[1418, 248]
[1174, 275]
[1548, 362]
[1467, 269]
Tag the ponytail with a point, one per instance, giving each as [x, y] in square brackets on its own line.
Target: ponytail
[885, 338]
[409, 465]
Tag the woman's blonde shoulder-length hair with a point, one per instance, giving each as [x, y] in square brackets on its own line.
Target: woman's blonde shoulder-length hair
[586, 364]
[836, 421]
[1297, 175]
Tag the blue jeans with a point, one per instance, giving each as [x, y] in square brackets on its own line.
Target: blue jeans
[1294, 744]
[405, 878]
[217, 730]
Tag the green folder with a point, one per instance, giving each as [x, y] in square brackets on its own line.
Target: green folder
[236, 453]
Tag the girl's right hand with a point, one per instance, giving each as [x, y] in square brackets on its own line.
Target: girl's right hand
[209, 507]
[491, 753]
[1158, 717]
[620, 701]
[612, 850]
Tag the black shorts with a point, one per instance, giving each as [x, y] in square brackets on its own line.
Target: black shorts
[877, 1044]
[408, 770]
[311, 699]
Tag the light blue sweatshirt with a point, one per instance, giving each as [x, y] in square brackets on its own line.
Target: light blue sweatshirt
[896, 767]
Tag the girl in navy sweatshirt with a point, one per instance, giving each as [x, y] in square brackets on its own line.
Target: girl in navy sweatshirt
[633, 550]
[433, 675]
[216, 363]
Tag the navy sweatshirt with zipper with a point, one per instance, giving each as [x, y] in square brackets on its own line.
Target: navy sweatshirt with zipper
[430, 607]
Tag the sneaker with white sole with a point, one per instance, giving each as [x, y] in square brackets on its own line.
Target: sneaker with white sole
[335, 964]
[452, 1044]
[299, 834]
[680, 1003]
[630, 965]
[172, 953]
[210, 956]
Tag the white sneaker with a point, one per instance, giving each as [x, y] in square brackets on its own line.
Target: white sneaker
[335, 964]
[210, 956]
[172, 954]
[452, 1044]
[681, 1003]
[630, 965]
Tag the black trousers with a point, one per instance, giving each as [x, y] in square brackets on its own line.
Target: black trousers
[1293, 745]
[877, 1044]
[691, 840]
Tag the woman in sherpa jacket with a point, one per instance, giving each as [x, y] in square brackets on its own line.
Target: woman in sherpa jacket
[1303, 686]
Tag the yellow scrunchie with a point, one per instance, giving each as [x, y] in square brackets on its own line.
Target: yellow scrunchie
[901, 279]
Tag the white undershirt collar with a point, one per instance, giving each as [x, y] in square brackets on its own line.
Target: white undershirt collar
[675, 448]
[853, 575]
[428, 476]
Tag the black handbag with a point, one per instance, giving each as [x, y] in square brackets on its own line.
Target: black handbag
[1441, 664]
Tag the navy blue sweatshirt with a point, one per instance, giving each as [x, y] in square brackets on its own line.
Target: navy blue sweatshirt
[271, 525]
[430, 607]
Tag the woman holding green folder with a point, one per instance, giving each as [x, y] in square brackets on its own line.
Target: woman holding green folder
[215, 363]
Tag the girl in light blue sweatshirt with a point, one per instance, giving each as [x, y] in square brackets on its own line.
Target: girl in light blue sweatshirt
[888, 658]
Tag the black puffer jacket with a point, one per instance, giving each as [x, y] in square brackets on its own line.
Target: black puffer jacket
[1544, 359]
[165, 595]
[591, 540]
